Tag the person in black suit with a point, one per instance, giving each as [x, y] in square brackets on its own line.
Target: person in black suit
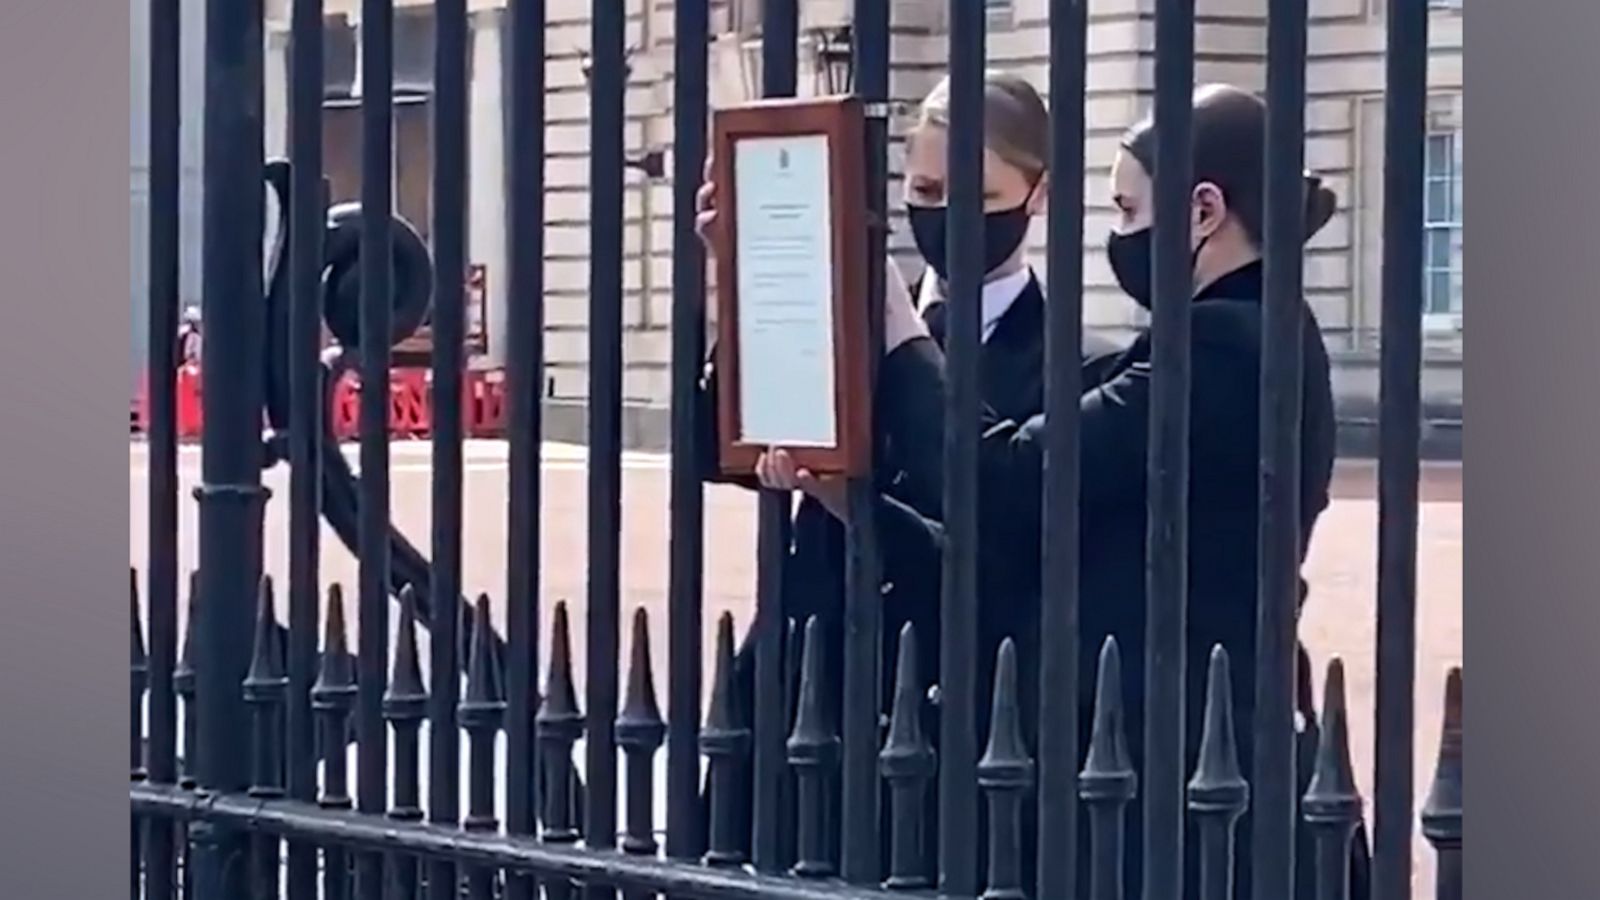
[1012, 360]
[1227, 235]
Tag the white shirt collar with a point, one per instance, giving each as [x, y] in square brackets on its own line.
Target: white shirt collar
[998, 296]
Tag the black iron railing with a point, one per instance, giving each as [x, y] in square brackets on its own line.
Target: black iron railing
[242, 786]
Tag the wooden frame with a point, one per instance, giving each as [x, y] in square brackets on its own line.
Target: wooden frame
[840, 120]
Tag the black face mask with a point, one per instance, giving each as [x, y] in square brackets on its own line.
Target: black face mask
[1130, 256]
[1003, 233]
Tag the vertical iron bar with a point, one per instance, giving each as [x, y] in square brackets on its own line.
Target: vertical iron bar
[861, 857]
[377, 285]
[183, 685]
[1004, 773]
[958, 747]
[606, 169]
[448, 237]
[161, 429]
[813, 749]
[449, 324]
[1399, 430]
[725, 740]
[161, 566]
[265, 688]
[1167, 555]
[773, 536]
[138, 681]
[1058, 619]
[1218, 793]
[307, 219]
[482, 714]
[558, 726]
[1278, 536]
[788, 798]
[780, 24]
[231, 497]
[405, 705]
[640, 731]
[1332, 805]
[686, 539]
[1108, 782]
[908, 763]
[1441, 813]
[780, 35]
[524, 368]
[331, 698]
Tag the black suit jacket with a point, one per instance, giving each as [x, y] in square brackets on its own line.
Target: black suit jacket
[813, 583]
[1012, 383]
[1223, 507]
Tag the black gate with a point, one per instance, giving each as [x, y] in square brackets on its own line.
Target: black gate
[255, 799]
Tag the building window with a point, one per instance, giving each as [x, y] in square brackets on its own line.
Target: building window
[412, 137]
[744, 17]
[412, 165]
[414, 28]
[338, 56]
[1442, 226]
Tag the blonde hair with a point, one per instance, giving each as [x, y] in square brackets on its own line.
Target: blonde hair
[1016, 122]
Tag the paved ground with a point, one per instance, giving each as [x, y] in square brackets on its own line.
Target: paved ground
[1339, 620]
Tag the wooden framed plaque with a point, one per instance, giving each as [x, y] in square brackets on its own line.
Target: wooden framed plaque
[792, 342]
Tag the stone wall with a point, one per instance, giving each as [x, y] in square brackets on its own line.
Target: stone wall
[1344, 144]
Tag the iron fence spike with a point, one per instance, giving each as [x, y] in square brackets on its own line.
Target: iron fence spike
[1004, 772]
[485, 694]
[559, 713]
[140, 658]
[407, 697]
[640, 723]
[1005, 763]
[1109, 766]
[907, 762]
[725, 740]
[1331, 797]
[906, 752]
[722, 716]
[184, 672]
[1441, 811]
[1218, 784]
[337, 675]
[266, 661]
[814, 730]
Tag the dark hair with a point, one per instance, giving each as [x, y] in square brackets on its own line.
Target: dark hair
[1016, 122]
[1229, 138]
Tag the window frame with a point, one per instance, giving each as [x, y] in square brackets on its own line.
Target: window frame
[1448, 227]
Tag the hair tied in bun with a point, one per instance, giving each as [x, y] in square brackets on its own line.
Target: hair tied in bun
[1320, 204]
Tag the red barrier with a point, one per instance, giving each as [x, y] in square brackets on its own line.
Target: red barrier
[345, 409]
[483, 404]
[189, 419]
[139, 414]
[410, 409]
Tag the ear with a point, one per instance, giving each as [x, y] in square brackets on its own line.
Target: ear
[1039, 199]
[1210, 209]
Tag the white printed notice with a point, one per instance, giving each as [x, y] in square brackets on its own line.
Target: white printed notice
[784, 257]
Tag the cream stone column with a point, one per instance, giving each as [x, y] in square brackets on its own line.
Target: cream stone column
[191, 44]
[486, 216]
[275, 109]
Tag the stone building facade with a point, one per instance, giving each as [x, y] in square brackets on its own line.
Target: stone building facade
[1344, 144]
